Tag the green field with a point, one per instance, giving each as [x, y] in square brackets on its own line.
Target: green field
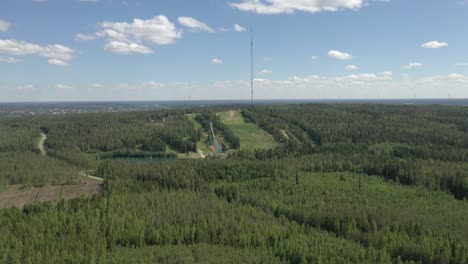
[251, 136]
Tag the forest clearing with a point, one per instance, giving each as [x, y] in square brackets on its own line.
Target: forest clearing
[250, 135]
[18, 195]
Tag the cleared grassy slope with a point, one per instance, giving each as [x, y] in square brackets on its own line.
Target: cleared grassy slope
[250, 135]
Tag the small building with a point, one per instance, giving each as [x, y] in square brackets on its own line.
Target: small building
[158, 120]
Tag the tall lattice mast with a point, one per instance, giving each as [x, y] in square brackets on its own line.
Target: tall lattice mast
[251, 66]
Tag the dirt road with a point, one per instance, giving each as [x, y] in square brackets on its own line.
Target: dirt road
[86, 173]
[41, 144]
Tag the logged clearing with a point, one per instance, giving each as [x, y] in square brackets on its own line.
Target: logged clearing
[19, 196]
[250, 135]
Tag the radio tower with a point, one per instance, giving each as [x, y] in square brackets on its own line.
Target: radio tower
[251, 66]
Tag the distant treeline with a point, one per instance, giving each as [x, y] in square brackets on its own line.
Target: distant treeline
[140, 154]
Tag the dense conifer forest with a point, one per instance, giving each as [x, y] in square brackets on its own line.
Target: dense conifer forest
[346, 184]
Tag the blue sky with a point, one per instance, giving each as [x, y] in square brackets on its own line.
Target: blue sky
[72, 50]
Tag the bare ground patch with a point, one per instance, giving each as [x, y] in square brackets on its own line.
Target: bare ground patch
[19, 196]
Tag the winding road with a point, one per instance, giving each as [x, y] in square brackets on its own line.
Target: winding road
[85, 173]
[41, 144]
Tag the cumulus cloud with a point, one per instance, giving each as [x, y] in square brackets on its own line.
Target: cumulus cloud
[314, 57]
[128, 38]
[85, 37]
[456, 76]
[352, 68]
[4, 25]
[57, 62]
[194, 24]
[413, 65]
[26, 88]
[434, 45]
[56, 54]
[339, 55]
[153, 85]
[216, 61]
[306, 79]
[365, 77]
[9, 59]
[368, 85]
[264, 72]
[158, 30]
[63, 87]
[386, 73]
[291, 6]
[97, 85]
[239, 28]
[127, 48]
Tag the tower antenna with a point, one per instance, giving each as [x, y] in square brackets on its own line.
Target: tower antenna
[251, 66]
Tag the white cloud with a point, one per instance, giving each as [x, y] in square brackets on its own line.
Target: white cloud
[57, 62]
[413, 65]
[127, 38]
[456, 76]
[9, 59]
[97, 85]
[434, 45]
[365, 77]
[352, 68]
[4, 25]
[339, 55]
[85, 37]
[386, 73]
[314, 57]
[264, 72]
[365, 86]
[158, 30]
[291, 6]
[127, 48]
[239, 28]
[26, 88]
[153, 85]
[57, 52]
[307, 79]
[53, 53]
[63, 87]
[216, 61]
[194, 24]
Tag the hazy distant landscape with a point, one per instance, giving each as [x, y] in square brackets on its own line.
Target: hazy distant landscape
[59, 108]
